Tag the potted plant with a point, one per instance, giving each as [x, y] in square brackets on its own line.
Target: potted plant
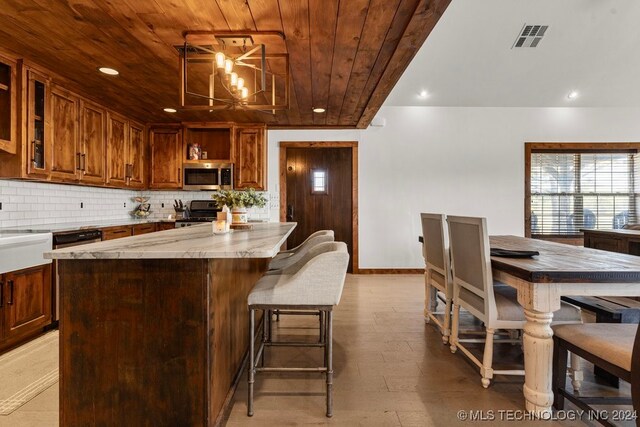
[239, 201]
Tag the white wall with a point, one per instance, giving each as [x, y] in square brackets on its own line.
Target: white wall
[463, 161]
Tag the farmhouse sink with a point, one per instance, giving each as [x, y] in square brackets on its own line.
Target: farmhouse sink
[23, 250]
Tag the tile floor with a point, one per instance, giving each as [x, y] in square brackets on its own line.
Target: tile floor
[390, 370]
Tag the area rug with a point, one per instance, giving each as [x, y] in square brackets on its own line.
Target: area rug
[28, 371]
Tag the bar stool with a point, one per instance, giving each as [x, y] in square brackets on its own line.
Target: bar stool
[288, 257]
[317, 285]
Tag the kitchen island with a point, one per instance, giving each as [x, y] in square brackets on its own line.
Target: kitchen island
[154, 328]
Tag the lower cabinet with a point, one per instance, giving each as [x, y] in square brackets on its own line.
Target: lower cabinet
[139, 229]
[25, 304]
[111, 233]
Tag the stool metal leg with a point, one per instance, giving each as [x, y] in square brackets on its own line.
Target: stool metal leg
[329, 347]
[265, 333]
[252, 368]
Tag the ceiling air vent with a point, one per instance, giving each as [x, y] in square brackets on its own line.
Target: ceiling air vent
[530, 35]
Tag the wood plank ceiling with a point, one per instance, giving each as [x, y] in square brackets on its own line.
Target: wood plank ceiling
[346, 55]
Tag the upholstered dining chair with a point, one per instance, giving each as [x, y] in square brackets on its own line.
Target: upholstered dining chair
[613, 347]
[288, 257]
[316, 286]
[475, 290]
[437, 273]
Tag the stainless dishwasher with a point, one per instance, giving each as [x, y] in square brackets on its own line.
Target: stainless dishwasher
[65, 240]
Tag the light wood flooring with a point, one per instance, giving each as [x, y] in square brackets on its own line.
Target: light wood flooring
[390, 370]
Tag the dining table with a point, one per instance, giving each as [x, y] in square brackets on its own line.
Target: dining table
[541, 280]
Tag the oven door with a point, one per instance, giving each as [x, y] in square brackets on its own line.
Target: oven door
[203, 176]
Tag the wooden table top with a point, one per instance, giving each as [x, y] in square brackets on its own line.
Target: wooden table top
[561, 263]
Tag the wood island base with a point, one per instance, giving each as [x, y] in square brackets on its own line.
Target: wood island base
[152, 342]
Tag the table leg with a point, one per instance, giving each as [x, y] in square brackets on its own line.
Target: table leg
[538, 361]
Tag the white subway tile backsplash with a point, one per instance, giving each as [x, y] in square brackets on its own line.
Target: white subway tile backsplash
[27, 203]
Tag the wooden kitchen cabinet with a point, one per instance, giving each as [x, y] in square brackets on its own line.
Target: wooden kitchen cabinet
[38, 125]
[165, 162]
[65, 154]
[147, 228]
[136, 156]
[161, 226]
[92, 143]
[117, 142]
[111, 233]
[250, 157]
[26, 306]
[8, 105]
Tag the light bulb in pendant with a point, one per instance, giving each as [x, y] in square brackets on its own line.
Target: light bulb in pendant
[233, 79]
[228, 66]
[220, 60]
[244, 93]
[240, 84]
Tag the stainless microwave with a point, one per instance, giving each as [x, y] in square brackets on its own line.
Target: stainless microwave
[207, 176]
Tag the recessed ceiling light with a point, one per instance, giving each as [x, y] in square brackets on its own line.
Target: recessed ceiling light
[572, 95]
[109, 71]
[319, 110]
[170, 110]
[423, 94]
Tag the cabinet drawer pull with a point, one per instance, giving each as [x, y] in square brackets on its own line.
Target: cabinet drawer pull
[10, 301]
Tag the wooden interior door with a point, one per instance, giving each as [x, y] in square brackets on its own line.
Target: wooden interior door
[136, 155]
[117, 155]
[92, 140]
[65, 153]
[315, 207]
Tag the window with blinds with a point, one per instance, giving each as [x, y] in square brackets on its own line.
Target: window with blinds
[582, 190]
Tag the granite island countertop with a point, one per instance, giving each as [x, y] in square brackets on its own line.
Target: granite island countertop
[262, 241]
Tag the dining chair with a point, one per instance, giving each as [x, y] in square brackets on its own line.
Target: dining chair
[490, 301]
[613, 347]
[437, 273]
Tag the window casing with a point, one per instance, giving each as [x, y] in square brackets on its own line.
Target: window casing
[573, 188]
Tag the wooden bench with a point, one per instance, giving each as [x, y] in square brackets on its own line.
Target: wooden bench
[608, 310]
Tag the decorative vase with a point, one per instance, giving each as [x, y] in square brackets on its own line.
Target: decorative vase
[239, 216]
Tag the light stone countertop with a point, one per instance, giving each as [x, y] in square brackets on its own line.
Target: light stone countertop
[81, 225]
[198, 241]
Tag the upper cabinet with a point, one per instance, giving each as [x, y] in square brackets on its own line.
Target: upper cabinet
[8, 105]
[37, 110]
[165, 162]
[136, 159]
[117, 153]
[92, 143]
[65, 154]
[250, 157]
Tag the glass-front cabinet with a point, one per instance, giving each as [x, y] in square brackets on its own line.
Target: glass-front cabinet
[37, 124]
[8, 96]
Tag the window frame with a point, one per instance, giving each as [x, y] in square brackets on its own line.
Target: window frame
[563, 148]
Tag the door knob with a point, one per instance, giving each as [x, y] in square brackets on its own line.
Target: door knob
[289, 213]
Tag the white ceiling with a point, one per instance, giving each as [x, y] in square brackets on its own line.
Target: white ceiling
[591, 46]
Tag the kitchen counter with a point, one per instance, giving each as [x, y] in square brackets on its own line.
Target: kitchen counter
[198, 241]
[81, 225]
[160, 321]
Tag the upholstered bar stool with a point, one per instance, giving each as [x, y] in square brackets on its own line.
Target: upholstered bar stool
[287, 257]
[317, 285]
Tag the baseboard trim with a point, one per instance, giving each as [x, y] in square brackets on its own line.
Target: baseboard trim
[391, 271]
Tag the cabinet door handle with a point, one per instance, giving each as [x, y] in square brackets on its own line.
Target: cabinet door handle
[179, 175]
[10, 301]
[1, 294]
[84, 162]
[79, 161]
